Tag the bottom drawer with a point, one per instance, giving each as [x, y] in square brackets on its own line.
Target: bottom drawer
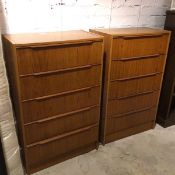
[47, 128]
[47, 151]
[128, 132]
[125, 105]
[115, 124]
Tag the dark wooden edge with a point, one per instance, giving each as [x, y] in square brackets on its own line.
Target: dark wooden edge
[3, 169]
[170, 12]
[165, 122]
[162, 104]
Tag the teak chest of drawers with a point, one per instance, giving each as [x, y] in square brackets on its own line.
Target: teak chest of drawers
[55, 81]
[133, 70]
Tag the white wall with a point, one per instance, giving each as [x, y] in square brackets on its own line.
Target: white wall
[49, 15]
[173, 4]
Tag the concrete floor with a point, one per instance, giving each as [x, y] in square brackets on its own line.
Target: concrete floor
[148, 153]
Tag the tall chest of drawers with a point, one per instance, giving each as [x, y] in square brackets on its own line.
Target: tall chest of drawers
[55, 81]
[133, 70]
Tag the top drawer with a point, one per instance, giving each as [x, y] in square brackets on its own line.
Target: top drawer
[50, 58]
[127, 47]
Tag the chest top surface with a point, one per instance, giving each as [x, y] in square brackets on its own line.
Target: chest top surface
[137, 31]
[52, 37]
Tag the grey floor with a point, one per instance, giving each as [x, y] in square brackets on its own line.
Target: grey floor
[148, 153]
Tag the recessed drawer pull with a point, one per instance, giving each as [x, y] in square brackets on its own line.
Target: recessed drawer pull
[142, 36]
[60, 44]
[131, 112]
[61, 115]
[60, 94]
[65, 114]
[62, 136]
[137, 94]
[59, 71]
[137, 58]
[62, 70]
[136, 77]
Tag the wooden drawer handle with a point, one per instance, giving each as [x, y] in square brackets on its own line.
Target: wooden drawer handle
[59, 94]
[142, 36]
[134, 95]
[137, 58]
[61, 115]
[137, 77]
[63, 93]
[61, 44]
[131, 112]
[62, 136]
[64, 115]
[62, 70]
[89, 66]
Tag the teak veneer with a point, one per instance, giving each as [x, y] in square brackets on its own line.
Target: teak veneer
[55, 82]
[134, 64]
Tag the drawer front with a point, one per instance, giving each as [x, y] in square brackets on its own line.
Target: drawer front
[44, 153]
[126, 105]
[138, 46]
[115, 124]
[38, 86]
[52, 127]
[44, 59]
[136, 67]
[55, 105]
[131, 87]
[128, 132]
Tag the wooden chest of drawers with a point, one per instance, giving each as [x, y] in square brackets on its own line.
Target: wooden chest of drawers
[133, 70]
[55, 81]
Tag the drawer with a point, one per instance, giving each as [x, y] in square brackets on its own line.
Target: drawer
[53, 126]
[43, 85]
[132, 68]
[131, 87]
[51, 106]
[42, 59]
[48, 151]
[128, 132]
[125, 105]
[115, 124]
[127, 47]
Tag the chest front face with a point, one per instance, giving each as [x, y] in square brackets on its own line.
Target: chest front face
[135, 66]
[59, 90]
